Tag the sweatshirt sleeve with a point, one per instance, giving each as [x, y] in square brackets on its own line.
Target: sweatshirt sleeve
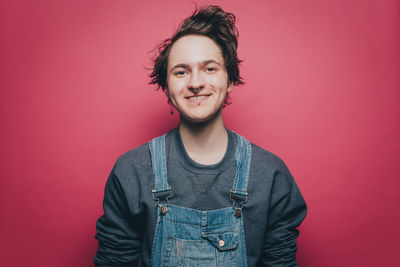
[119, 229]
[287, 210]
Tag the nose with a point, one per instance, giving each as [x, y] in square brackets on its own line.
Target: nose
[196, 82]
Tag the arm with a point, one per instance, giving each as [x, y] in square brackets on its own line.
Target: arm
[287, 210]
[119, 229]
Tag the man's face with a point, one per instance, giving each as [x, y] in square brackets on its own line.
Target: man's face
[197, 80]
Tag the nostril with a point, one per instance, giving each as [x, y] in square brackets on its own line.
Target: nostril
[196, 90]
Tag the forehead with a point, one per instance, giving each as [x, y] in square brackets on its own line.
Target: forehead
[192, 49]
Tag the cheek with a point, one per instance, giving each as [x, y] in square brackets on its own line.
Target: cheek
[219, 81]
[176, 86]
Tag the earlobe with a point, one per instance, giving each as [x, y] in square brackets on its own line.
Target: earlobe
[230, 87]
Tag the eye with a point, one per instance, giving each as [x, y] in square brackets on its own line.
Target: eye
[210, 69]
[180, 73]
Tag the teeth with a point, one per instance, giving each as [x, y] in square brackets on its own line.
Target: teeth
[197, 97]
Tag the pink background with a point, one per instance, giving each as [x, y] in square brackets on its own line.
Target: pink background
[322, 92]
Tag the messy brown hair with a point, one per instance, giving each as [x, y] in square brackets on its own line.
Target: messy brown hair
[210, 21]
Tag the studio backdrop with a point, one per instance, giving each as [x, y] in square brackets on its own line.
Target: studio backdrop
[322, 91]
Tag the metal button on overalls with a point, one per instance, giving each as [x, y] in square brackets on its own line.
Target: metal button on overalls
[163, 210]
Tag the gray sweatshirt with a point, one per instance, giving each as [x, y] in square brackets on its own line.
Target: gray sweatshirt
[274, 210]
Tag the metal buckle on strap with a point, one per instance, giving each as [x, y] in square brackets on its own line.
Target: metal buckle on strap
[168, 195]
[238, 210]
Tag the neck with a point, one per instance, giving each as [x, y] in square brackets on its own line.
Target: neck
[205, 142]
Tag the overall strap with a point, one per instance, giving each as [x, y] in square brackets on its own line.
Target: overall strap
[238, 193]
[161, 190]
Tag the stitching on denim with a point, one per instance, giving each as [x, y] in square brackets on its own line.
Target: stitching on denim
[199, 225]
[158, 154]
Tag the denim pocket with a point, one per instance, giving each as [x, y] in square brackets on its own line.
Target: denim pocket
[223, 239]
[191, 253]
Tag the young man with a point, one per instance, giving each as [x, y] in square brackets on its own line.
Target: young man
[200, 195]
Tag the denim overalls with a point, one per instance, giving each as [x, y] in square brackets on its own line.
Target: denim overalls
[189, 237]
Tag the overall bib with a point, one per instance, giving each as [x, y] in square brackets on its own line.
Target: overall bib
[188, 237]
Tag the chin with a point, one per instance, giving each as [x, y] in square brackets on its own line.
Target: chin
[195, 119]
[199, 118]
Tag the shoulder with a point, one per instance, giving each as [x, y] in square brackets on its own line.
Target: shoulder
[267, 167]
[266, 159]
[137, 159]
[266, 163]
[135, 156]
[133, 163]
[262, 157]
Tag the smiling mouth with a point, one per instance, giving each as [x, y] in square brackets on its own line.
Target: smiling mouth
[199, 97]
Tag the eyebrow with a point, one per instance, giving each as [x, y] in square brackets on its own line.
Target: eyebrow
[202, 63]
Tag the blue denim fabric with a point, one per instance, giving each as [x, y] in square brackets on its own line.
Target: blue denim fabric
[189, 237]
